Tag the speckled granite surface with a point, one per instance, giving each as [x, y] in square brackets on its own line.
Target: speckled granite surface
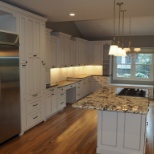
[105, 99]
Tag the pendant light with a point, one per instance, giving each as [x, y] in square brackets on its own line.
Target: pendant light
[131, 51]
[113, 47]
[120, 51]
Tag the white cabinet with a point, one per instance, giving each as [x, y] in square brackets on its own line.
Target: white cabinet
[61, 98]
[97, 52]
[121, 133]
[79, 90]
[51, 49]
[32, 70]
[48, 49]
[51, 101]
[63, 49]
[81, 51]
[33, 75]
[73, 53]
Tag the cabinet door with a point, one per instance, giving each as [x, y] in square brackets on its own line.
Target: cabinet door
[36, 33]
[48, 105]
[22, 39]
[97, 53]
[29, 38]
[73, 53]
[37, 74]
[42, 42]
[67, 52]
[33, 75]
[54, 51]
[30, 76]
[61, 52]
[54, 103]
[49, 50]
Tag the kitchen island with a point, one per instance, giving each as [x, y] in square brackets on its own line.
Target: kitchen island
[121, 121]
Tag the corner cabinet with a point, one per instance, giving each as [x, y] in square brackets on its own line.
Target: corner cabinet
[32, 36]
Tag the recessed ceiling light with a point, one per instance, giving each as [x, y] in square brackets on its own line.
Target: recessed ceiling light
[72, 14]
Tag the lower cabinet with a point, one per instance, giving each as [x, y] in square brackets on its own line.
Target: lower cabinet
[61, 98]
[121, 133]
[51, 101]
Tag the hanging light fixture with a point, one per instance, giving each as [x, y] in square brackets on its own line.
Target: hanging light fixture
[129, 50]
[120, 51]
[113, 47]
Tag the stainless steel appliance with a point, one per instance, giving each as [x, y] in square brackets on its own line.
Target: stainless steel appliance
[9, 86]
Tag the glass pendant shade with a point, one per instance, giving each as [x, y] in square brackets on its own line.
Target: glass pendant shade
[113, 49]
[127, 49]
[137, 49]
[120, 52]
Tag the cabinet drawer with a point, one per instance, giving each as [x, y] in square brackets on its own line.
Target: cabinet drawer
[34, 105]
[61, 96]
[70, 86]
[61, 89]
[61, 104]
[34, 96]
[34, 118]
[51, 91]
[78, 84]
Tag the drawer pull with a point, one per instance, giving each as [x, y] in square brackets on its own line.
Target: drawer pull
[62, 103]
[35, 117]
[34, 95]
[53, 94]
[35, 104]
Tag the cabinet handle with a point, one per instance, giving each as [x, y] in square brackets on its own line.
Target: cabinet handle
[34, 55]
[35, 117]
[35, 105]
[62, 103]
[52, 94]
[23, 64]
[62, 94]
[34, 95]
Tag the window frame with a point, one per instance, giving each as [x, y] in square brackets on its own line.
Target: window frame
[133, 70]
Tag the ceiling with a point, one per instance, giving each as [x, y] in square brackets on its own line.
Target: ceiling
[94, 18]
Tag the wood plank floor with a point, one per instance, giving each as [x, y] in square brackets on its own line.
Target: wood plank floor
[71, 131]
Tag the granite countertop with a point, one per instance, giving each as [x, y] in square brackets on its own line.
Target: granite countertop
[106, 99]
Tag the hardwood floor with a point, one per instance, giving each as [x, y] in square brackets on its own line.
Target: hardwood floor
[71, 131]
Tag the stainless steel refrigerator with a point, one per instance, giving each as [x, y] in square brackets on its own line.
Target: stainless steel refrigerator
[9, 86]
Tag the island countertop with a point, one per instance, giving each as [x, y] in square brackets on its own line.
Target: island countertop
[106, 99]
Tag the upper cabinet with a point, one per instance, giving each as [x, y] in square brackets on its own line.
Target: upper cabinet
[63, 49]
[51, 49]
[81, 46]
[97, 52]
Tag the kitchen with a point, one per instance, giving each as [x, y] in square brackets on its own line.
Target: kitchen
[34, 64]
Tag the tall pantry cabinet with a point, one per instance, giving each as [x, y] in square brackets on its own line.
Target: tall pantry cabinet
[32, 46]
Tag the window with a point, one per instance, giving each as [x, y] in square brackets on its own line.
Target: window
[136, 67]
